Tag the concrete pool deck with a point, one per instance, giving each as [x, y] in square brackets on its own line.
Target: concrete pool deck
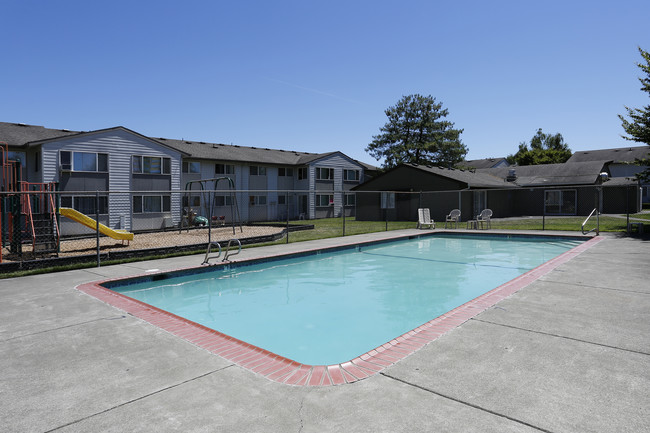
[568, 353]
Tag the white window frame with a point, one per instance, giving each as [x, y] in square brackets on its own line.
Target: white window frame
[71, 166]
[324, 198]
[355, 175]
[166, 170]
[259, 170]
[224, 199]
[163, 202]
[350, 199]
[303, 173]
[224, 169]
[196, 201]
[257, 200]
[285, 171]
[321, 170]
[191, 167]
[74, 203]
[561, 201]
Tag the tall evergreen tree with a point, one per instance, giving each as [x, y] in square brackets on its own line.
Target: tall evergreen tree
[544, 149]
[416, 132]
[638, 127]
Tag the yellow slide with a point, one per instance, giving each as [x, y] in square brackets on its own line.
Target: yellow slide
[77, 216]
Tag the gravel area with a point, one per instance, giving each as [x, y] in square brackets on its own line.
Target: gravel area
[143, 241]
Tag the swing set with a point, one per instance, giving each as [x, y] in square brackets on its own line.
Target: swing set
[206, 192]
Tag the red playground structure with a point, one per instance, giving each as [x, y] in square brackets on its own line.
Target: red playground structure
[28, 211]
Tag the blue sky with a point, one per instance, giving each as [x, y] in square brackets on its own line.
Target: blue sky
[317, 76]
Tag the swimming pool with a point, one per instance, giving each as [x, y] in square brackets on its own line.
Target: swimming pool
[327, 308]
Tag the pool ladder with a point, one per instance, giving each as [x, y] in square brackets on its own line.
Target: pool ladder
[228, 253]
[595, 229]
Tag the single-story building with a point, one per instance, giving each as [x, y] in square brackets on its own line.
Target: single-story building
[620, 162]
[551, 189]
[485, 163]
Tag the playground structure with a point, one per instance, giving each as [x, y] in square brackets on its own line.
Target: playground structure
[27, 210]
[208, 199]
[77, 216]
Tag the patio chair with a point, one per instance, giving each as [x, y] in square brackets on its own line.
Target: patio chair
[453, 217]
[484, 218]
[424, 219]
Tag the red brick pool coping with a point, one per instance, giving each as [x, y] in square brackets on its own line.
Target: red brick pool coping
[283, 370]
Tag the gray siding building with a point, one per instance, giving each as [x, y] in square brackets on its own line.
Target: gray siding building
[165, 171]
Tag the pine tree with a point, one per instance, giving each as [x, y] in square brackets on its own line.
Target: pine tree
[638, 127]
[416, 133]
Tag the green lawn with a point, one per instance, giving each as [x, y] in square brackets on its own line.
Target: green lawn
[607, 224]
[333, 227]
[645, 216]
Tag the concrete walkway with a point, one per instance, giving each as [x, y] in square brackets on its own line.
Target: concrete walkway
[568, 353]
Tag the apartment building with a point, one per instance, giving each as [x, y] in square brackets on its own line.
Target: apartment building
[152, 180]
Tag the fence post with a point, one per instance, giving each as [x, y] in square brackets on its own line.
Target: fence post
[627, 207]
[343, 210]
[97, 226]
[210, 215]
[287, 206]
[543, 210]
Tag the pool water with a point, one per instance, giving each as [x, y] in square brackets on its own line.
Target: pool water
[331, 307]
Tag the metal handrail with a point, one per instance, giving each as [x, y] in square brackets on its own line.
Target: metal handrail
[228, 253]
[597, 228]
[207, 252]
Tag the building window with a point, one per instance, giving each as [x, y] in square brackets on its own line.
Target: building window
[302, 173]
[324, 173]
[192, 201]
[151, 203]
[257, 170]
[151, 165]
[388, 200]
[224, 169]
[282, 200]
[37, 161]
[350, 199]
[222, 200]
[85, 204]
[257, 200]
[13, 155]
[83, 161]
[560, 202]
[285, 171]
[192, 167]
[351, 175]
[324, 200]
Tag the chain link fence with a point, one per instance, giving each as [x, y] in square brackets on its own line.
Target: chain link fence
[46, 228]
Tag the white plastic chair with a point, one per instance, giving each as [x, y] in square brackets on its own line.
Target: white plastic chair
[453, 217]
[424, 219]
[484, 218]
